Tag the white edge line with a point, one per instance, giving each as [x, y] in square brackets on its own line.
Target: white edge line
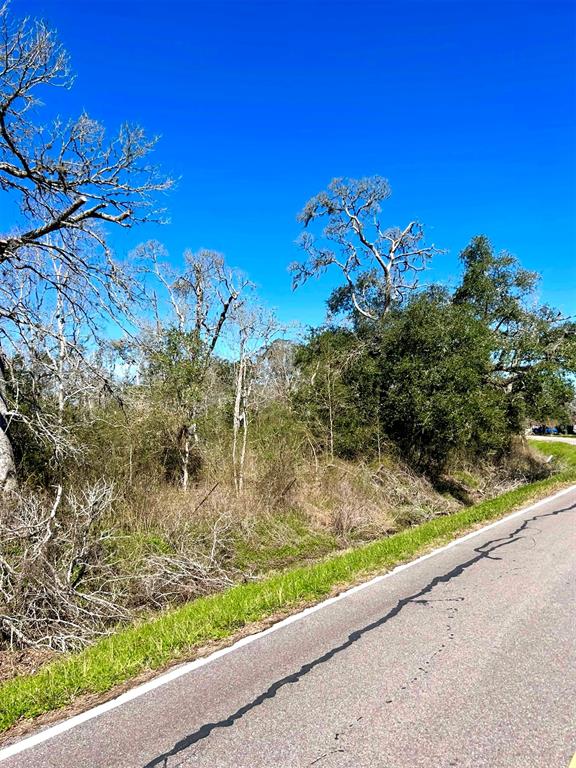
[184, 669]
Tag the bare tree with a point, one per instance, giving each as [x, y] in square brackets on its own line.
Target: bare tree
[50, 366]
[380, 264]
[253, 329]
[68, 181]
[278, 374]
[8, 480]
[179, 350]
[67, 177]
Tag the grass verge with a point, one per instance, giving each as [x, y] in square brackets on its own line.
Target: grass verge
[153, 643]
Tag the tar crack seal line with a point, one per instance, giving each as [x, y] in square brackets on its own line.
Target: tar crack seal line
[483, 552]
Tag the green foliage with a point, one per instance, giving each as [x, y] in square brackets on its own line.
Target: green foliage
[443, 375]
[435, 360]
[176, 365]
[337, 397]
[533, 347]
[494, 286]
[439, 375]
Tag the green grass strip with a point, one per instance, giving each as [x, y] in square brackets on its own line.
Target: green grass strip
[155, 642]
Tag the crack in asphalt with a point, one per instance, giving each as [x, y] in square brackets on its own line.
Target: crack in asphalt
[483, 552]
[439, 600]
[337, 737]
[451, 614]
[326, 754]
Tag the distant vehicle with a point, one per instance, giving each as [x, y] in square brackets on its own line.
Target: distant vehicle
[547, 429]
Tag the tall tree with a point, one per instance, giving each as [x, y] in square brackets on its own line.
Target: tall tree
[179, 349]
[534, 347]
[380, 264]
[69, 182]
[434, 366]
[253, 329]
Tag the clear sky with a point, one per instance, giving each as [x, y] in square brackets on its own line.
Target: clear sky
[468, 108]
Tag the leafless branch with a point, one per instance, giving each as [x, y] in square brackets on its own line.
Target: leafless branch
[373, 260]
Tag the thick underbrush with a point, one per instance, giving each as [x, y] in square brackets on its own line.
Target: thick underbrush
[161, 639]
[75, 565]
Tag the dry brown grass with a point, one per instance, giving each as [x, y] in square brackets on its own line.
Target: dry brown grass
[480, 480]
[365, 501]
[349, 500]
[24, 661]
[170, 546]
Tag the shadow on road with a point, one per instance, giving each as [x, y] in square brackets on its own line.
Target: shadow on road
[483, 552]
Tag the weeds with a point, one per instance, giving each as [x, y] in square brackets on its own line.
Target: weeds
[171, 636]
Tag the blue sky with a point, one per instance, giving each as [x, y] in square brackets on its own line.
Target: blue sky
[466, 107]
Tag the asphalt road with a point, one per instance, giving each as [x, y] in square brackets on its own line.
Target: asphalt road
[467, 658]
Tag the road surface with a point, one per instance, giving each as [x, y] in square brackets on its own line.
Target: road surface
[554, 439]
[466, 658]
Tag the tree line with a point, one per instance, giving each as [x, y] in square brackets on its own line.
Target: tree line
[129, 368]
[162, 435]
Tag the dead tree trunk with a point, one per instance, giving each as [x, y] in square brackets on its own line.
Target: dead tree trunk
[239, 416]
[330, 414]
[242, 461]
[185, 458]
[8, 479]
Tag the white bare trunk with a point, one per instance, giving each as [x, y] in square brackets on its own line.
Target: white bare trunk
[237, 422]
[243, 451]
[185, 455]
[330, 416]
[194, 427]
[189, 443]
[8, 479]
[62, 349]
